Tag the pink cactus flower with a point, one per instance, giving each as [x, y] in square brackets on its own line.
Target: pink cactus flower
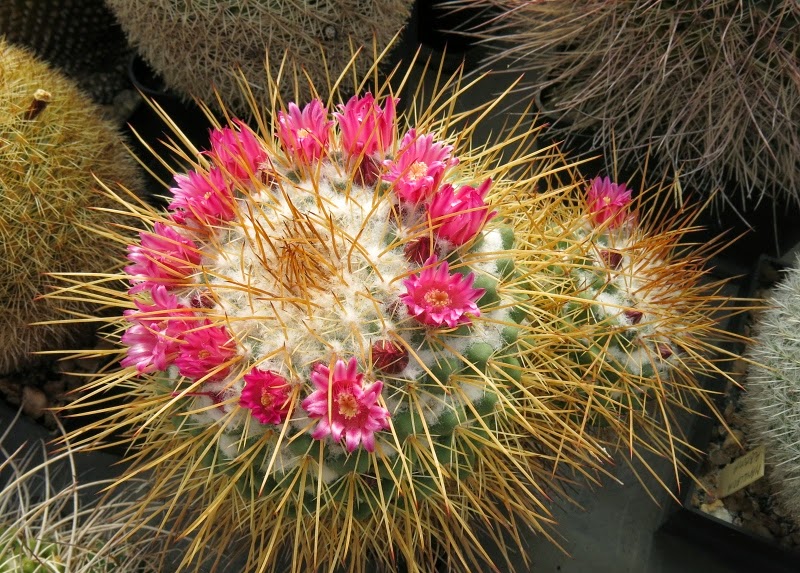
[239, 153]
[266, 393]
[419, 167]
[344, 406]
[365, 127]
[458, 216]
[206, 351]
[436, 297]
[304, 134]
[161, 257]
[206, 198]
[154, 335]
[608, 202]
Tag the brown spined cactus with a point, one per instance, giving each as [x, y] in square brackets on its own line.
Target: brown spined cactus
[80, 37]
[200, 47]
[710, 88]
[52, 144]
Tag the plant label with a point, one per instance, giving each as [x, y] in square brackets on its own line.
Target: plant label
[741, 472]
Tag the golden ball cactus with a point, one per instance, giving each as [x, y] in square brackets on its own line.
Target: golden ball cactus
[53, 143]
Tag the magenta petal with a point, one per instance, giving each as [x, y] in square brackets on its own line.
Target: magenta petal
[353, 439]
[343, 405]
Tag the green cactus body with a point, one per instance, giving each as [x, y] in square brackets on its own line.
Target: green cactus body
[634, 317]
[322, 344]
[201, 48]
[771, 403]
[33, 557]
[53, 145]
[621, 342]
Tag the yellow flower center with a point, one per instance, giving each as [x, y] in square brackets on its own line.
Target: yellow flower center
[267, 399]
[437, 298]
[348, 405]
[302, 133]
[607, 200]
[417, 170]
[203, 354]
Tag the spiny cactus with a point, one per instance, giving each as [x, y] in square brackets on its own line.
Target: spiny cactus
[710, 88]
[634, 309]
[771, 403]
[200, 47]
[345, 338]
[53, 144]
[47, 524]
[80, 37]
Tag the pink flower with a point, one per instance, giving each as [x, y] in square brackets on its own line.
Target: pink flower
[365, 127]
[239, 153]
[458, 216]
[206, 198]
[266, 393]
[344, 406]
[161, 257]
[436, 297]
[608, 202]
[419, 166]
[154, 337]
[304, 134]
[206, 351]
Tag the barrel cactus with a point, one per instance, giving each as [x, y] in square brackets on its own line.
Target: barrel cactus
[770, 404]
[344, 340]
[54, 143]
[602, 69]
[635, 309]
[79, 37]
[208, 46]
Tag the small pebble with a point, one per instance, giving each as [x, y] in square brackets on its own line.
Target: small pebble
[34, 402]
[733, 443]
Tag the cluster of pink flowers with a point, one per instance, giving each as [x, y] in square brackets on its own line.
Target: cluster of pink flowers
[416, 174]
[170, 327]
